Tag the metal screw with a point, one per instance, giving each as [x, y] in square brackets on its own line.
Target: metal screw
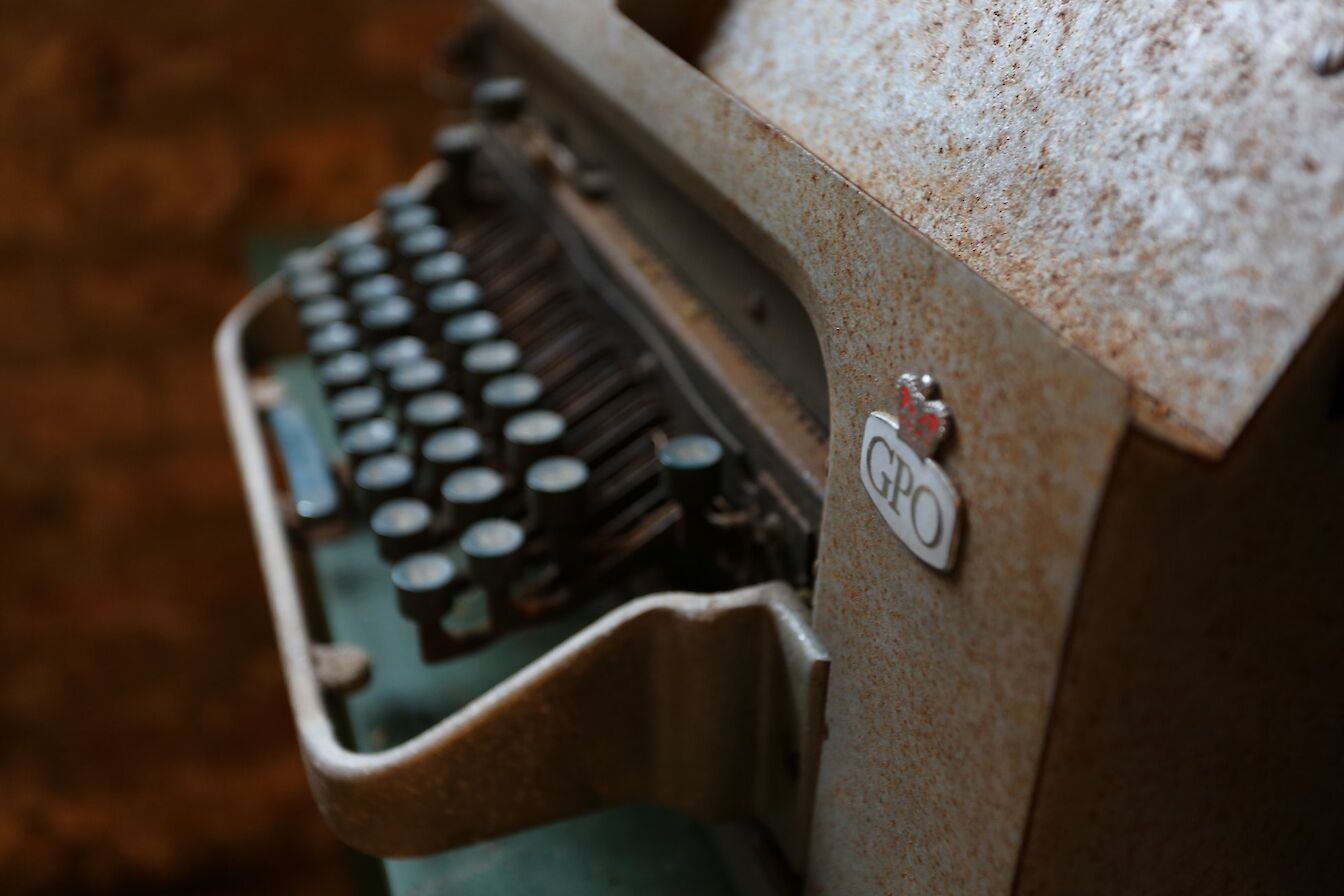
[1329, 57]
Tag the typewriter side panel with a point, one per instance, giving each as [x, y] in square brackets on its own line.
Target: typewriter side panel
[1196, 738]
[941, 683]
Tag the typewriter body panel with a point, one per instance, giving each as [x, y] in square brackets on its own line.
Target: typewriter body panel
[1140, 609]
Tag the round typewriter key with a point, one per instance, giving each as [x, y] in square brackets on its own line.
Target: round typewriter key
[395, 352]
[317, 313]
[333, 339]
[362, 262]
[430, 412]
[500, 99]
[351, 237]
[425, 585]
[448, 300]
[355, 405]
[423, 242]
[503, 397]
[692, 466]
[409, 218]
[438, 268]
[342, 371]
[556, 501]
[382, 477]
[402, 526]
[465, 330]
[472, 494]
[415, 378]
[449, 450]
[530, 436]
[301, 263]
[372, 290]
[371, 437]
[397, 197]
[494, 552]
[457, 143]
[555, 488]
[485, 361]
[312, 285]
[388, 318]
[506, 395]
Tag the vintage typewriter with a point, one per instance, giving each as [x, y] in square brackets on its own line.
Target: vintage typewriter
[838, 448]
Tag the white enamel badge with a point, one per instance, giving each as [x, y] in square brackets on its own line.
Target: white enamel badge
[911, 491]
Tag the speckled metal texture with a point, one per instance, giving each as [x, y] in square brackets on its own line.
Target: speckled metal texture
[940, 684]
[1161, 183]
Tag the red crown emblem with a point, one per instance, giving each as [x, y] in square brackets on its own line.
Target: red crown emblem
[922, 421]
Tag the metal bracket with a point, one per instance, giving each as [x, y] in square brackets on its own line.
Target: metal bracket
[711, 704]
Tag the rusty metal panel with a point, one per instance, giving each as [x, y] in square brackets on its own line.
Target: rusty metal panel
[1160, 183]
[941, 684]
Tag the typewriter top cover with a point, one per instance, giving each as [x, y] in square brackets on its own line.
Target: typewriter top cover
[979, 367]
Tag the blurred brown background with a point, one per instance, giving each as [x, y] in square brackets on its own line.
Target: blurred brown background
[145, 741]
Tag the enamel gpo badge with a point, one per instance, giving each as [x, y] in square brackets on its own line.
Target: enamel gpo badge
[909, 488]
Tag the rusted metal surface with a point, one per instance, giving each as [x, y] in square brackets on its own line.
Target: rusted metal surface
[941, 685]
[1160, 183]
[1196, 737]
[707, 703]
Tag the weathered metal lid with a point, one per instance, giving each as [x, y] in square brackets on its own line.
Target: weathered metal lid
[1162, 186]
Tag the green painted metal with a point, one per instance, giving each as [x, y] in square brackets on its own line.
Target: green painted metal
[630, 850]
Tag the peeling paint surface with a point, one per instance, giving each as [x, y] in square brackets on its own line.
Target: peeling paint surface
[1160, 183]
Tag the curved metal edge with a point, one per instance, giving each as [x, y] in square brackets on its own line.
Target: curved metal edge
[677, 699]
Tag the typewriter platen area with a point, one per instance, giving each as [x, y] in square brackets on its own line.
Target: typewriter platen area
[490, 417]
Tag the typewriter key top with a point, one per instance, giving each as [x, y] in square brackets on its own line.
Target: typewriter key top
[447, 300]
[351, 237]
[402, 526]
[457, 144]
[395, 352]
[692, 466]
[372, 290]
[397, 197]
[313, 285]
[383, 477]
[471, 494]
[387, 319]
[423, 242]
[465, 330]
[413, 378]
[438, 268]
[500, 99]
[449, 450]
[406, 219]
[531, 436]
[507, 395]
[301, 263]
[332, 340]
[556, 489]
[425, 584]
[342, 371]
[319, 312]
[485, 361]
[355, 405]
[494, 552]
[363, 262]
[377, 435]
[430, 412]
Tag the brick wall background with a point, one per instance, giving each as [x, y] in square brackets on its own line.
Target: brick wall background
[145, 741]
